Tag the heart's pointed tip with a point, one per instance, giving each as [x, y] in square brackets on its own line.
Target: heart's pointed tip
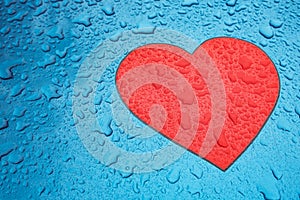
[223, 169]
[221, 166]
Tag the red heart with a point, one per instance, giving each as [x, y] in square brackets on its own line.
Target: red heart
[212, 102]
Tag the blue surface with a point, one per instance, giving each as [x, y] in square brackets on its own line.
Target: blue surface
[44, 43]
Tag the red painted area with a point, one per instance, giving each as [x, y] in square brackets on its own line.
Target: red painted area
[251, 85]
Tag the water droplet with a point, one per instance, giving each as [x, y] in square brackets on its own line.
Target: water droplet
[266, 31]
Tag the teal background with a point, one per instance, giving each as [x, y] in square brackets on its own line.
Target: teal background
[43, 43]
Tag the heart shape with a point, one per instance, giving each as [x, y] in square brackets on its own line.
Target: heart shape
[213, 102]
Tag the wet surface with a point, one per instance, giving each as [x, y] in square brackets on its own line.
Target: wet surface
[43, 45]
